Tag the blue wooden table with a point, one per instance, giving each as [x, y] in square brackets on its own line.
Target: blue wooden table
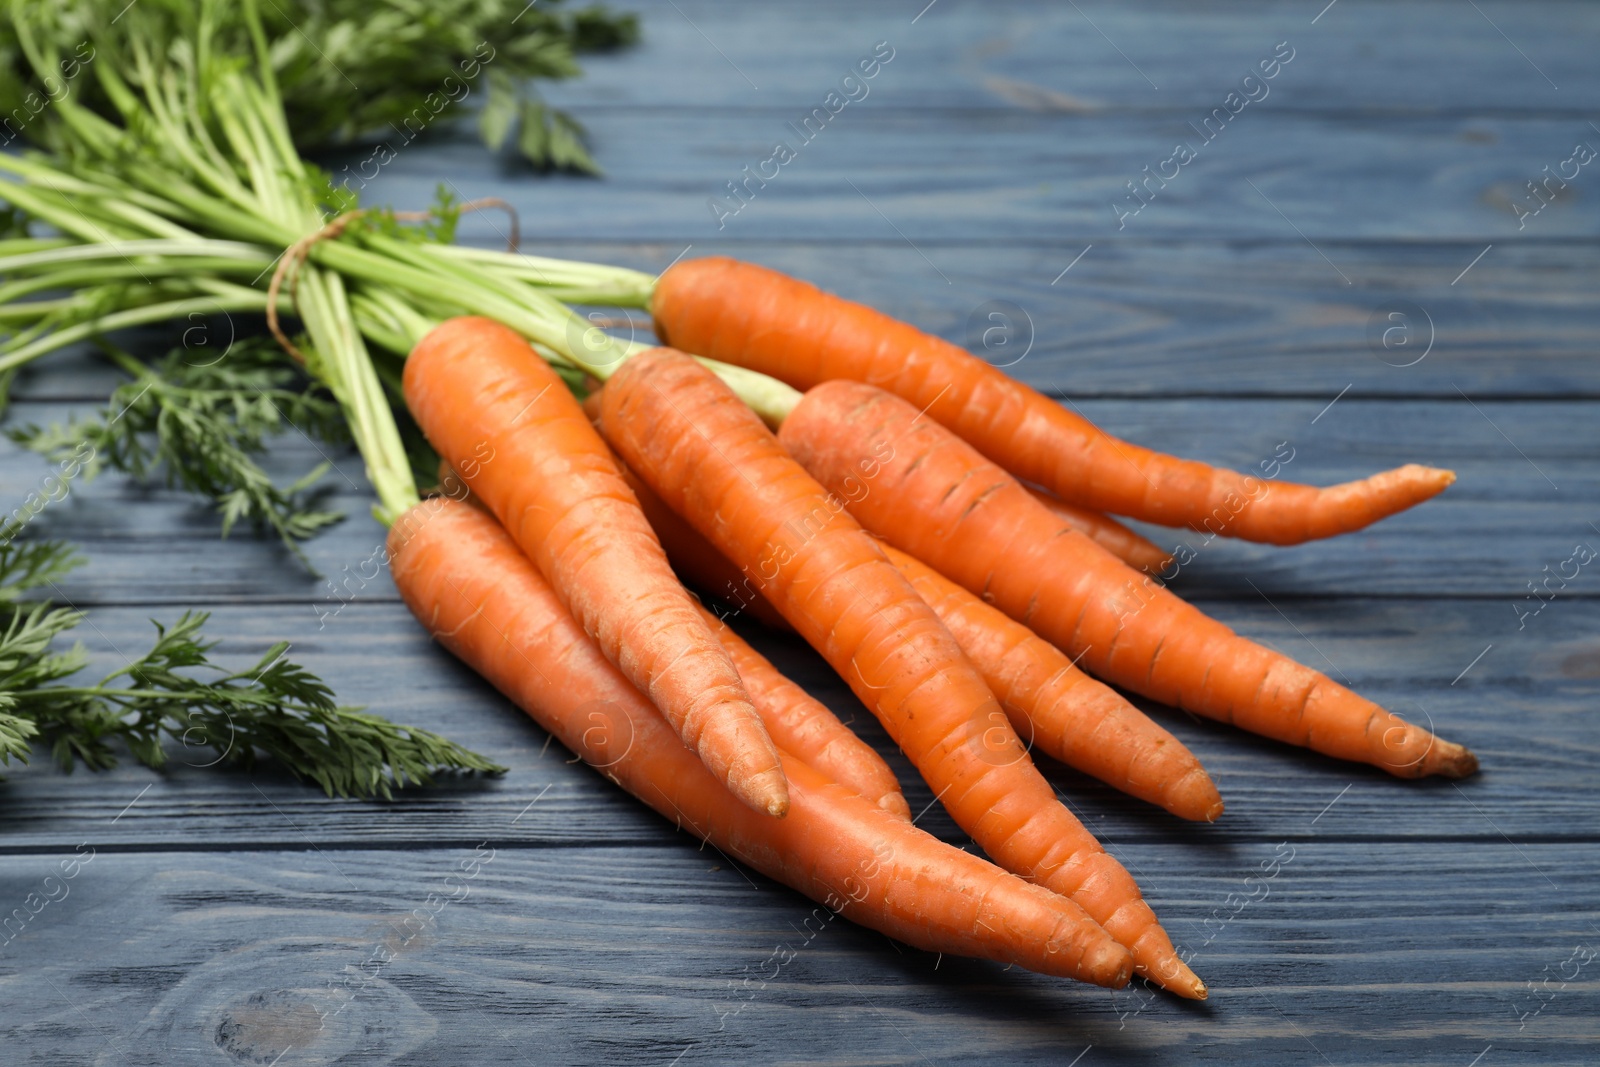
[1351, 260]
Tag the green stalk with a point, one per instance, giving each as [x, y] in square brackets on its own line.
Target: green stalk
[406, 324]
[213, 250]
[378, 327]
[248, 300]
[575, 282]
[19, 246]
[325, 310]
[32, 309]
[767, 397]
[105, 274]
[61, 213]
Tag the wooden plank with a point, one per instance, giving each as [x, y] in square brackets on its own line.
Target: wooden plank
[1163, 318]
[1353, 952]
[1046, 56]
[1521, 704]
[1490, 534]
[1025, 176]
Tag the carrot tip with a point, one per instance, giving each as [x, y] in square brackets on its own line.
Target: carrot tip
[1183, 982]
[1188, 986]
[1456, 761]
[1192, 796]
[765, 792]
[1100, 964]
[1434, 479]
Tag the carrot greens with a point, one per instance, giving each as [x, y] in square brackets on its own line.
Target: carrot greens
[349, 70]
[201, 424]
[175, 692]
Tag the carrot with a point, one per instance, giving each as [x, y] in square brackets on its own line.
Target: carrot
[797, 723]
[1074, 718]
[801, 726]
[978, 526]
[758, 318]
[1138, 552]
[697, 562]
[508, 424]
[713, 461]
[469, 584]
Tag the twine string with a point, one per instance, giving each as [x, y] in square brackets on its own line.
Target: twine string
[288, 269]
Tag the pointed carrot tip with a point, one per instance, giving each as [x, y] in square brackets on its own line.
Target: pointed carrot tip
[1457, 761]
[766, 792]
[1183, 982]
[1188, 986]
[1435, 479]
[895, 804]
[1193, 796]
[1445, 759]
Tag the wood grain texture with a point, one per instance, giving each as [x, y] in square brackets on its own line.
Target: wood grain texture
[1024, 176]
[488, 954]
[231, 919]
[1043, 56]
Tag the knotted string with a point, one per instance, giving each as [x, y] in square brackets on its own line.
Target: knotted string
[288, 269]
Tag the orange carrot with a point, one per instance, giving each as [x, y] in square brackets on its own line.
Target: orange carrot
[975, 524]
[469, 584]
[798, 724]
[758, 318]
[1074, 718]
[801, 726]
[697, 562]
[713, 461]
[1138, 552]
[508, 424]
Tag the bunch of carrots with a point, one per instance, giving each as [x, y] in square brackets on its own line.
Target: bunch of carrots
[937, 531]
[884, 522]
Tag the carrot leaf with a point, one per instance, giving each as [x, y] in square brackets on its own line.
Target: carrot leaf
[200, 424]
[175, 692]
[499, 111]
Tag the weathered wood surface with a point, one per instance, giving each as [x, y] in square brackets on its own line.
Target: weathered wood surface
[1360, 56]
[501, 955]
[225, 919]
[1020, 177]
